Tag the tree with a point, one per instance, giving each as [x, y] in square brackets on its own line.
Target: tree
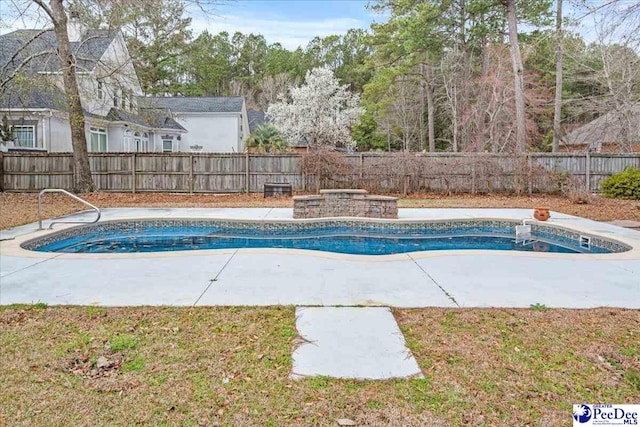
[266, 138]
[157, 37]
[5, 131]
[518, 74]
[558, 99]
[272, 87]
[208, 65]
[320, 112]
[82, 182]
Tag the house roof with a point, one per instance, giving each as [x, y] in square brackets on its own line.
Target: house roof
[612, 127]
[152, 118]
[185, 104]
[48, 96]
[88, 51]
[256, 118]
[37, 93]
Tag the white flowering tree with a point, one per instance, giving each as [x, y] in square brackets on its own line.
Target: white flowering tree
[320, 112]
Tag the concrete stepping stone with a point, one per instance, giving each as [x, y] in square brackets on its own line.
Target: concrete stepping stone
[351, 342]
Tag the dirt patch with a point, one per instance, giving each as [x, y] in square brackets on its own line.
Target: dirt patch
[21, 208]
[600, 208]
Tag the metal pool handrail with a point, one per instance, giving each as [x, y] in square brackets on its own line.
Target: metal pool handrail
[73, 196]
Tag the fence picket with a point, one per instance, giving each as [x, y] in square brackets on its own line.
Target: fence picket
[381, 172]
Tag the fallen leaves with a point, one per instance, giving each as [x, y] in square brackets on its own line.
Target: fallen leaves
[21, 208]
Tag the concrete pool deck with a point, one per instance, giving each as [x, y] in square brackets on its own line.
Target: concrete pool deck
[273, 277]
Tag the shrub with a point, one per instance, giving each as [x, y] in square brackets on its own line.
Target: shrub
[623, 185]
[267, 139]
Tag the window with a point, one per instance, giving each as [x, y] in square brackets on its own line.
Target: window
[98, 140]
[100, 90]
[24, 136]
[127, 140]
[125, 98]
[141, 142]
[167, 145]
[116, 98]
[131, 102]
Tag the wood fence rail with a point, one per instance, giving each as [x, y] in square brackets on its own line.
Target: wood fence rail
[385, 172]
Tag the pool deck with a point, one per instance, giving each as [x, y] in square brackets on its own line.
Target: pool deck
[305, 278]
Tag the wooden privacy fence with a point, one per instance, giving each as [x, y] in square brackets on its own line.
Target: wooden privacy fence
[383, 172]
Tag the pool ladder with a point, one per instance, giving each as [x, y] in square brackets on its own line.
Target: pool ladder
[73, 196]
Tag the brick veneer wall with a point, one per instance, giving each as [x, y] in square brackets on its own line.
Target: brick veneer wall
[350, 203]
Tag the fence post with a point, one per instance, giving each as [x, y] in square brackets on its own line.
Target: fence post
[191, 183]
[133, 173]
[247, 164]
[473, 176]
[587, 172]
[1, 171]
[530, 173]
[304, 180]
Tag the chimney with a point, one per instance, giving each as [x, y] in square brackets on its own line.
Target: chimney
[75, 29]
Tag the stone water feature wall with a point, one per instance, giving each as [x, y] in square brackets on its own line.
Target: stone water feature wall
[351, 203]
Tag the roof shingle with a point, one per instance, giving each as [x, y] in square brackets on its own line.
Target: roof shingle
[184, 104]
[43, 44]
[611, 127]
[152, 118]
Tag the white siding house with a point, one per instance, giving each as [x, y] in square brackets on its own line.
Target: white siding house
[118, 118]
[213, 124]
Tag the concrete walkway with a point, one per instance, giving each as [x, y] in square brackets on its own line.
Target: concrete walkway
[351, 342]
[268, 277]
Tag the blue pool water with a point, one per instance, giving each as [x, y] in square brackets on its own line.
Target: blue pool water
[141, 237]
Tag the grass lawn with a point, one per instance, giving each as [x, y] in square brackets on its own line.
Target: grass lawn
[229, 366]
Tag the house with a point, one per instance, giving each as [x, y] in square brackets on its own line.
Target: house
[616, 131]
[256, 119]
[214, 124]
[118, 117]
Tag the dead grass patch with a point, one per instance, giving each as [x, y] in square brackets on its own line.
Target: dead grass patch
[21, 208]
[522, 367]
[186, 367]
[211, 366]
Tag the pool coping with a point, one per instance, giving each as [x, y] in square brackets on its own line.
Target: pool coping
[12, 247]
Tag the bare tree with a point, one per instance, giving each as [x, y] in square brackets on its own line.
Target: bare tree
[518, 74]
[558, 99]
[83, 182]
[274, 87]
[240, 88]
[611, 67]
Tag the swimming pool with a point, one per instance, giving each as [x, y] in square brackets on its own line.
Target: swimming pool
[360, 237]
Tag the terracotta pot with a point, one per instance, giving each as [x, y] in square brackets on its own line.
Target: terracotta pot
[541, 214]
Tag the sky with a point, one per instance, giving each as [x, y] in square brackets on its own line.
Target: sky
[292, 23]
